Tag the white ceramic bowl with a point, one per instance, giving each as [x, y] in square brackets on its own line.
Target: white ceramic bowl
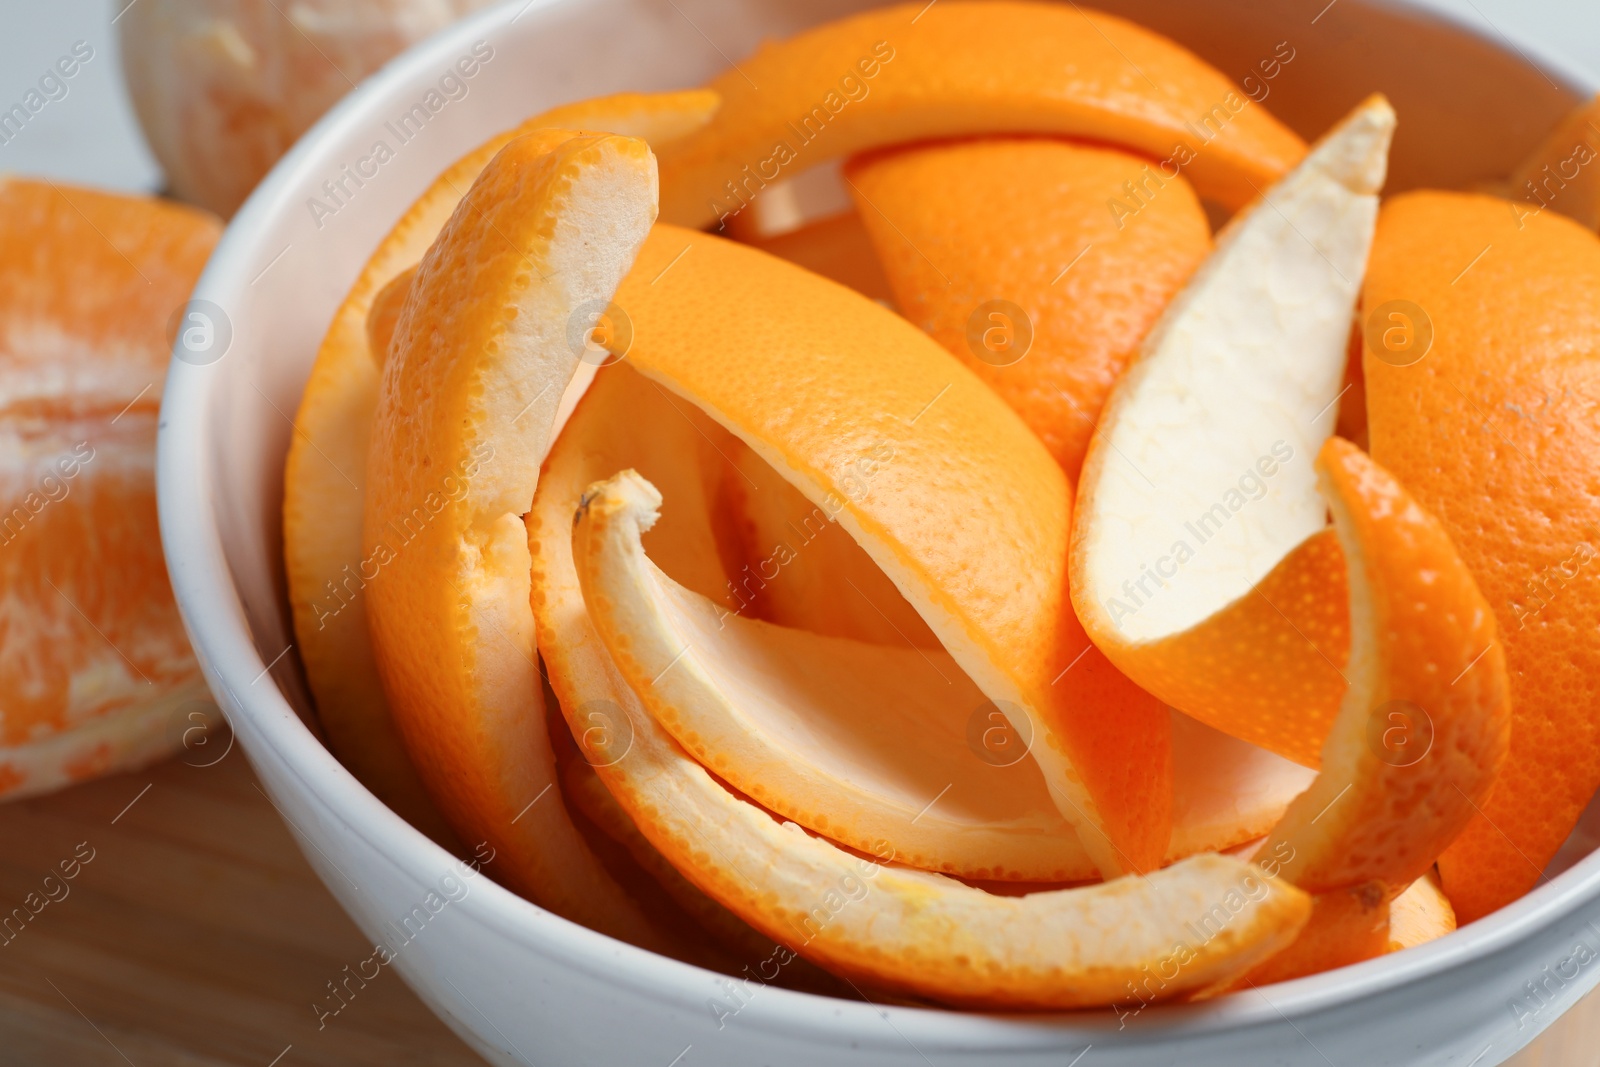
[523, 986]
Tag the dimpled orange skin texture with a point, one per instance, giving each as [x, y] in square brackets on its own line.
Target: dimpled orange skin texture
[1380, 812]
[1496, 431]
[939, 481]
[322, 500]
[89, 283]
[836, 247]
[1269, 667]
[1360, 923]
[1422, 633]
[462, 689]
[1030, 221]
[1346, 926]
[918, 72]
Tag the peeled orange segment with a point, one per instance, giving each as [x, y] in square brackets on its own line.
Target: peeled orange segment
[1200, 483]
[1032, 262]
[1492, 429]
[916, 72]
[1558, 175]
[835, 247]
[796, 566]
[937, 480]
[326, 569]
[470, 389]
[95, 669]
[861, 916]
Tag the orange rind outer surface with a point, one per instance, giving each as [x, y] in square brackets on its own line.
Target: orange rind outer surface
[1424, 725]
[861, 916]
[482, 344]
[1030, 261]
[943, 486]
[326, 570]
[1493, 431]
[914, 72]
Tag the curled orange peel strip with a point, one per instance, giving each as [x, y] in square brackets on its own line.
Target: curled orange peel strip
[1421, 733]
[917, 71]
[867, 743]
[481, 344]
[937, 480]
[861, 916]
[1196, 559]
[326, 569]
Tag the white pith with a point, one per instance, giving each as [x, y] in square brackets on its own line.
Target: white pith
[1202, 479]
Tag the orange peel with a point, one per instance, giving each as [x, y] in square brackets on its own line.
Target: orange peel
[1492, 430]
[327, 571]
[861, 916]
[776, 747]
[1183, 537]
[1420, 735]
[1425, 660]
[914, 457]
[1030, 261]
[1421, 914]
[914, 72]
[866, 744]
[1360, 923]
[549, 226]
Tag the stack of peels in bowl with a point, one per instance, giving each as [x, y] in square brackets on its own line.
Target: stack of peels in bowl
[1001, 592]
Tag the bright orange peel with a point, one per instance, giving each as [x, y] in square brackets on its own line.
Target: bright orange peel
[1029, 260]
[937, 480]
[327, 571]
[1199, 496]
[481, 344]
[860, 915]
[915, 71]
[1491, 427]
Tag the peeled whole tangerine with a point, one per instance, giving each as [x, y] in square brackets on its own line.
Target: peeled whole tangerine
[95, 668]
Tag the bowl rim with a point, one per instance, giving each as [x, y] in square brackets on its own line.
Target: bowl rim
[216, 621]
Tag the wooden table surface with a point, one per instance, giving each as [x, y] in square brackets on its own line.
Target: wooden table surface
[196, 935]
